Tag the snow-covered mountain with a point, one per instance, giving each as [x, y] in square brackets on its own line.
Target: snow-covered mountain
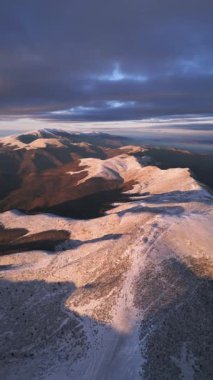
[106, 262]
[48, 170]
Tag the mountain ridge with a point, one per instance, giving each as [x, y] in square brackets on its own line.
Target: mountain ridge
[116, 293]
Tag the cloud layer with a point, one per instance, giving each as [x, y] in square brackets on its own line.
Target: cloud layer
[106, 60]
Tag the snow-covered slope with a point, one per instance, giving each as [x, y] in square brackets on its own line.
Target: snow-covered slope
[112, 169]
[125, 296]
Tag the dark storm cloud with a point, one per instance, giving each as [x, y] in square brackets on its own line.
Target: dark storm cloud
[105, 60]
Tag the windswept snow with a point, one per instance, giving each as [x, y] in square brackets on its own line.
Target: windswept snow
[116, 168]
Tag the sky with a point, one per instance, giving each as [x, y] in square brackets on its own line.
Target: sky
[105, 60]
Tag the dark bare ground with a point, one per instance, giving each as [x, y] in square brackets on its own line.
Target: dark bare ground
[15, 241]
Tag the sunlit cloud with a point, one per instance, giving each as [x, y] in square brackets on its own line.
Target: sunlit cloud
[119, 104]
[81, 110]
[117, 75]
[73, 111]
[8, 123]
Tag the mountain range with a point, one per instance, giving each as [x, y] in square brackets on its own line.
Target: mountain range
[105, 259]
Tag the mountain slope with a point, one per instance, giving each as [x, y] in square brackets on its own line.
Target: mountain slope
[39, 171]
[123, 296]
